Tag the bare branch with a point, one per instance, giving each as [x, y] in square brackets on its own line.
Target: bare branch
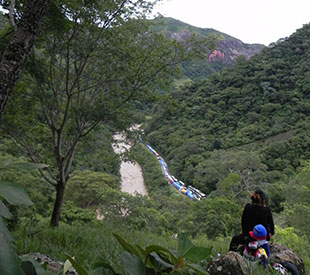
[11, 15]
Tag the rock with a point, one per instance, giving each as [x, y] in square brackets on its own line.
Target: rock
[230, 263]
[233, 263]
[279, 253]
[51, 265]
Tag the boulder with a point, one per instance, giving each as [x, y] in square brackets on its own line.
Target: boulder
[230, 263]
[279, 253]
[51, 264]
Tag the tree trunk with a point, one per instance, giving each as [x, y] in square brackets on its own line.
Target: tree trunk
[19, 47]
[60, 191]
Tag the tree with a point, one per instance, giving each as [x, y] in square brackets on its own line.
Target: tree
[15, 54]
[90, 72]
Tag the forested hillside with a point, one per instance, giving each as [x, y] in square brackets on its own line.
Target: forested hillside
[260, 106]
[243, 128]
[91, 71]
[226, 52]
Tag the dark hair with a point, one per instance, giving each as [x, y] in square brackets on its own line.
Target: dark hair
[258, 197]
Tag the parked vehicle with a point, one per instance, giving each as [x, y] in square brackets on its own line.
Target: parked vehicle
[189, 191]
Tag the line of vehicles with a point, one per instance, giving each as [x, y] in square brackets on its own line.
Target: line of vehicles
[188, 191]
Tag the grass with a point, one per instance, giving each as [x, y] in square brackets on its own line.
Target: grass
[87, 243]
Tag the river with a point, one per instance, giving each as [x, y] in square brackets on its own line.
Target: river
[132, 181]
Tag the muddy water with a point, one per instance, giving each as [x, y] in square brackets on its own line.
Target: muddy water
[131, 173]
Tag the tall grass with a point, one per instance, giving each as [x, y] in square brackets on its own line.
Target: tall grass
[87, 243]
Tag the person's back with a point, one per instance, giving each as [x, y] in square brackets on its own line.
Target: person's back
[253, 214]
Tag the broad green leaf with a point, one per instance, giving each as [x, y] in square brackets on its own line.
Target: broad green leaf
[4, 211]
[26, 166]
[197, 268]
[133, 265]
[158, 263]
[184, 244]
[28, 268]
[162, 251]
[29, 264]
[13, 193]
[79, 269]
[4, 232]
[197, 254]
[9, 262]
[141, 251]
[126, 246]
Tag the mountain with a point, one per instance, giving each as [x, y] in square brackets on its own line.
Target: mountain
[226, 52]
[260, 106]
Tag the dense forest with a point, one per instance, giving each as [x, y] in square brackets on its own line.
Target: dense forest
[94, 68]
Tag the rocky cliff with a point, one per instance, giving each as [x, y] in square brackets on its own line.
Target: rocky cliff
[226, 51]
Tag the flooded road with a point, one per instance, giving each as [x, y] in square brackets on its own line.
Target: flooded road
[131, 173]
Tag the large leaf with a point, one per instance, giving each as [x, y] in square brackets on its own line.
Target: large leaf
[141, 251]
[158, 263]
[126, 246]
[197, 254]
[9, 262]
[31, 266]
[4, 211]
[133, 265]
[164, 252]
[4, 232]
[79, 269]
[184, 244]
[13, 193]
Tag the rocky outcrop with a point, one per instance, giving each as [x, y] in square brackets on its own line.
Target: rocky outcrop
[232, 263]
[279, 253]
[228, 49]
[51, 265]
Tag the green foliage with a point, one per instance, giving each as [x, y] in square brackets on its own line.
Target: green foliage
[12, 194]
[88, 243]
[73, 214]
[162, 260]
[85, 187]
[216, 217]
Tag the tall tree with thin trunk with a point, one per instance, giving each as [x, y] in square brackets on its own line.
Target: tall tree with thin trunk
[91, 71]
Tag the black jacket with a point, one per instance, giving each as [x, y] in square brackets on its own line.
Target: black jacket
[256, 214]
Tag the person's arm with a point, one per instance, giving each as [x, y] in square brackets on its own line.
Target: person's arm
[270, 222]
[244, 220]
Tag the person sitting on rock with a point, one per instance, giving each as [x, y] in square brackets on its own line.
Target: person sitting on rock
[253, 214]
[257, 247]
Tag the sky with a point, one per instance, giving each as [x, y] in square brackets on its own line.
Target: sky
[251, 21]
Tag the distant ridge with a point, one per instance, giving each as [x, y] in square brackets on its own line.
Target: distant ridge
[225, 54]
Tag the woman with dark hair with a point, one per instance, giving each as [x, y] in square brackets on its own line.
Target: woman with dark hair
[253, 214]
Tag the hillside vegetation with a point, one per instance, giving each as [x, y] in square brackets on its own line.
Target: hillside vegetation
[243, 128]
[97, 70]
[225, 54]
